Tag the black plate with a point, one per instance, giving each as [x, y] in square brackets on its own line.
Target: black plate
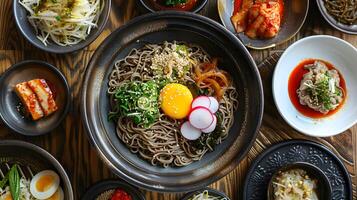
[156, 28]
[99, 188]
[35, 159]
[26, 29]
[350, 29]
[25, 71]
[285, 153]
[213, 192]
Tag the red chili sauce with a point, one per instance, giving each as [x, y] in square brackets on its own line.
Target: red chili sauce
[160, 5]
[120, 194]
[294, 83]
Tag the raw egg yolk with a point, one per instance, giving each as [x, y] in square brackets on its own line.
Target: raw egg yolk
[176, 100]
[44, 183]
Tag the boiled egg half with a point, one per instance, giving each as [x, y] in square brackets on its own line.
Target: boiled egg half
[44, 184]
[58, 195]
[176, 100]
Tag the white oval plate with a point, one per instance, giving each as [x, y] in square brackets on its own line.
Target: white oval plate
[339, 53]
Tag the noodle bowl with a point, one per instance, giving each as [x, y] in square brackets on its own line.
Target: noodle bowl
[161, 142]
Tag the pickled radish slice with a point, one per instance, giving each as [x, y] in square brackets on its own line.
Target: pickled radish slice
[189, 132]
[214, 105]
[201, 117]
[203, 101]
[211, 128]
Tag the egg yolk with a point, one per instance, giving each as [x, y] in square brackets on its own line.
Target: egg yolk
[55, 196]
[176, 100]
[8, 197]
[44, 183]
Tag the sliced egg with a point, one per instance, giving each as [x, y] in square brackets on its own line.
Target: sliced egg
[44, 184]
[176, 100]
[58, 195]
[6, 196]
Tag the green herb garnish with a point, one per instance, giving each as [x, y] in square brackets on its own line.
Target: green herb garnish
[137, 101]
[174, 2]
[14, 182]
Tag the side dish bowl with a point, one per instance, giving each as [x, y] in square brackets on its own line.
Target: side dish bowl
[295, 12]
[214, 193]
[350, 29]
[157, 28]
[34, 159]
[26, 29]
[9, 101]
[339, 53]
[148, 6]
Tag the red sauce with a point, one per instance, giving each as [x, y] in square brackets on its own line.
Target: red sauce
[294, 83]
[188, 6]
[237, 5]
[120, 194]
[52, 88]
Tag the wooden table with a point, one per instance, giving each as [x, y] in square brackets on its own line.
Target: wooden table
[69, 144]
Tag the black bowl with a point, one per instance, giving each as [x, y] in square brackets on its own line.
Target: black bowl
[32, 159]
[324, 190]
[99, 188]
[147, 6]
[26, 29]
[213, 192]
[25, 71]
[218, 42]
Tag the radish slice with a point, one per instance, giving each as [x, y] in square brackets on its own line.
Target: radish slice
[203, 101]
[200, 117]
[211, 128]
[214, 105]
[189, 132]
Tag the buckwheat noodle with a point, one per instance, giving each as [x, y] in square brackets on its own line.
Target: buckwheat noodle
[162, 143]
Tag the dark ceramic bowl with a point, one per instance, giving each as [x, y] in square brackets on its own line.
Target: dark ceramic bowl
[32, 159]
[26, 29]
[324, 190]
[212, 192]
[295, 13]
[147, 6]
[157, 28]
[101, 187]
[350, 29]
[9, 101]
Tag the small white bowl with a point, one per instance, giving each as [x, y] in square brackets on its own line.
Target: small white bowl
[337, 52]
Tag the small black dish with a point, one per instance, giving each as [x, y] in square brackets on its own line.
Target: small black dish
[323, 184]
[32, 159]
[350, 29]
[213, 192]
[101, 187]
[147, 6]
[9, 101]
[294, 151]
[26, 29]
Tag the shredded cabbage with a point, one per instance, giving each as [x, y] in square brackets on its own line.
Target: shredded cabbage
[294, 185]
[206, 196]
[65, 22]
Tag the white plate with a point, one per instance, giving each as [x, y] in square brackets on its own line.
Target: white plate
[339, 53]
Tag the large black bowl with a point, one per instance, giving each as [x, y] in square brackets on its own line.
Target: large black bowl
[217, 41]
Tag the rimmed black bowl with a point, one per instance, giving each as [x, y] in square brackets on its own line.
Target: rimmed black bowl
[350, 29]
[101, 187]
[212, 192]
[218, 42]
[27, 30]
[9, 101]
[147, 6]
[33, 159]
[323, 190]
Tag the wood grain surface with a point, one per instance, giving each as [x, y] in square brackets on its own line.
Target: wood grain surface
[69, 144]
